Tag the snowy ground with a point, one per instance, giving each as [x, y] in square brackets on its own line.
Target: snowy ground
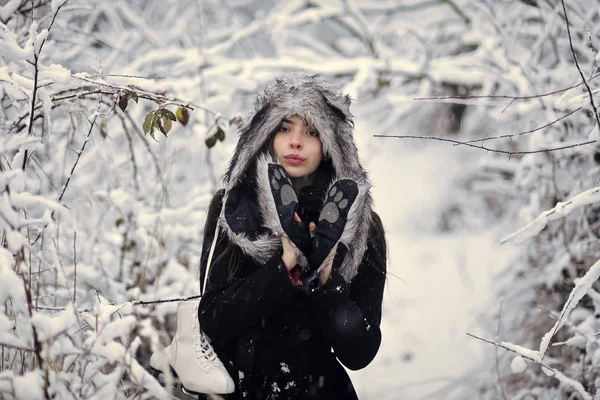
[438, 282]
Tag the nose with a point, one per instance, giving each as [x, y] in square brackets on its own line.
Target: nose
[296, 140]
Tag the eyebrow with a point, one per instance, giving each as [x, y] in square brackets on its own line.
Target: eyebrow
[287, 121]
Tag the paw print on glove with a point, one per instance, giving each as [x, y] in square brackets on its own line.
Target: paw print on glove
[336, 203]
[283, 192]
[286, 203]
[339, 200]
[332, 220]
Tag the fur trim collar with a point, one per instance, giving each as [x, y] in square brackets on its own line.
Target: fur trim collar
[327, 110]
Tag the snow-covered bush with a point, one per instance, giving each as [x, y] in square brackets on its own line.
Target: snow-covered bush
[108, 111]
[550, 311]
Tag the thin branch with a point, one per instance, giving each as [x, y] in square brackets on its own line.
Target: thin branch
[36, 57]
[506, 348]
[556, 373]
[579, 68]
[147, 95]
[131, 76]
[500, 383]
[511, 135]
[133, 162]
[37, 345]
[159, 174]
[143, 303]
[482, 147]
[457, 10]
[133, 303]
[87, 137]
[512, 98]
[74, 268]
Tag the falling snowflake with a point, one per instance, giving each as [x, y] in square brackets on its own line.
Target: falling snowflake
[290, 385]
[275, 388]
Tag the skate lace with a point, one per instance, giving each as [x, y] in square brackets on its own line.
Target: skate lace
[203, 350]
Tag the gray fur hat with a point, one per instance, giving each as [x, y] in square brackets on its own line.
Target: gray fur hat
[328, 110]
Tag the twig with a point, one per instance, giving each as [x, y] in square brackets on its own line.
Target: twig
[133, 162]
[500, 383]
[36, 57]
[87, 137]
[147, 95]
[509, 349]
[133, 303]
[143, 303]
[578, 67]
[159, 174]
[556, 374]
[457, 10]
[512, 98]
[130, 76]
[524, 132]
[482, 147]
[37, 345]
[74, 268]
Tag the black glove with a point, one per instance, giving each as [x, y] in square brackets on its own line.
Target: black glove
[286, 203]
[332, 220]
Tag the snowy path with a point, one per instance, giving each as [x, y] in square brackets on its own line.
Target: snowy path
[425, 350]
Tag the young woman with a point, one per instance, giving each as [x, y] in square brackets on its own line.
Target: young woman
[295, 286]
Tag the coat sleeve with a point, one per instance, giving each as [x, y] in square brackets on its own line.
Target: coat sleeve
[349, 315]
[237, 299]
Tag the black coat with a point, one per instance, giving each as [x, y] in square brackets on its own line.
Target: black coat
[280, 342]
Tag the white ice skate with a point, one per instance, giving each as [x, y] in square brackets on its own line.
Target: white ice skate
[192, 357]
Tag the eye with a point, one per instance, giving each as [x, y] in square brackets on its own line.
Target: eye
[314, 134]
[283, 129]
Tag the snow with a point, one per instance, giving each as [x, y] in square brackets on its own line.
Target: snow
[10, 284]
[44, 96]
[437, 284]
[10, 48]
[518, 365]
[143, 224]
[28, 386]
[582, 286]
[9, 8]
[55, 72]
[561, 209]
[49, 326]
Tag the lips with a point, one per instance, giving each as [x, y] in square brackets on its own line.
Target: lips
[294, 159]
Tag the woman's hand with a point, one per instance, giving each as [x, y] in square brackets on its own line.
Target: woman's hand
[327, 265]
[289, 257]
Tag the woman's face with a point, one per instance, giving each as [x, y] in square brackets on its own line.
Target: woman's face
[297, 147]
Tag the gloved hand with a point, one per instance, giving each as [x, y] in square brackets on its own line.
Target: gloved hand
[286, 203]
[332, 221]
